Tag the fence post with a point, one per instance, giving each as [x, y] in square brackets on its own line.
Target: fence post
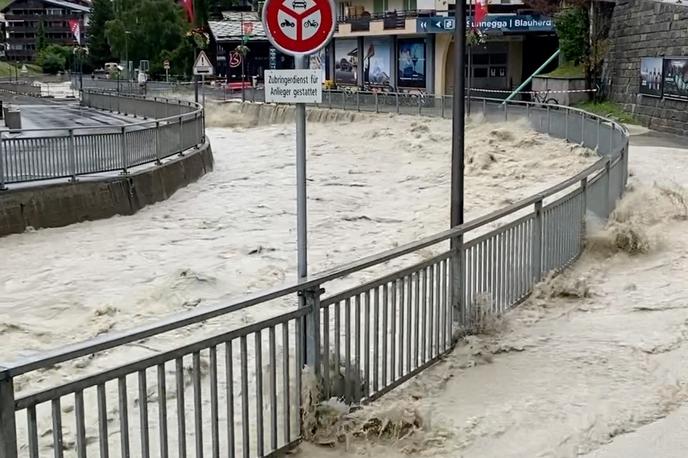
[377, 110]
[157, 143]
[124, 150]
[72, 154]
[329, 98]
[506, 111]
[549, 120]
[611, 137]
[537, 243]
[528, 111]
[608, 184]
[358, 101]
[584, 190]
[2, 163]
[566, 123]
[312, 334]
[484, 108]
[599, 126]
[396, 94]
[181, 138]
[582, 142]
[442, 107]
[8, 427]
[458, 288]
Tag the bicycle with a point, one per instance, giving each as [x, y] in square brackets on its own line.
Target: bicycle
[541, 97]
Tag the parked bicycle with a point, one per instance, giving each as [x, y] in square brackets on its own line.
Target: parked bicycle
[542, 98]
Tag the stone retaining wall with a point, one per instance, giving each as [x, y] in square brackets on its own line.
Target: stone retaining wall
[60, 204]
[645, 28]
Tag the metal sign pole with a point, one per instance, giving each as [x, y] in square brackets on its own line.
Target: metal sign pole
[457, 162]
[301, 223]
[203, 88]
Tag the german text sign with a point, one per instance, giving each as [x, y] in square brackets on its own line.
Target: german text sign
[293, 86]
[299, 27]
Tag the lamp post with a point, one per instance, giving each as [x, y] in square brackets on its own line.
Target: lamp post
[126, 51]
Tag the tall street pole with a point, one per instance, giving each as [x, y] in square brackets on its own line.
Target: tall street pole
[458, 121]
[301, 223]
[457, 163]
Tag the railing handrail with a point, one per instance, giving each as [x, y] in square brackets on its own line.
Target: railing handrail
[179, 320]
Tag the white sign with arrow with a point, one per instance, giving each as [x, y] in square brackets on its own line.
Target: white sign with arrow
[203, 65]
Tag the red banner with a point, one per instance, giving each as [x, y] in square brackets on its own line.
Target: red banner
[75, 27]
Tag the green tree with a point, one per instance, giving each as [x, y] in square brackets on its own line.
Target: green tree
[98, 46]
[55, 58]
[146, 29]
[41, 38]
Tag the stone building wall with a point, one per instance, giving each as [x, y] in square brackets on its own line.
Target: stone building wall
[647, 28]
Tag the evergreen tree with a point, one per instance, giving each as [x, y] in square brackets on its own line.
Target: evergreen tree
[41, 38]
[98, 46]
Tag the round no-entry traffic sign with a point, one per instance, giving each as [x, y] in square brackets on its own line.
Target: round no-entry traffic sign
[298, 27]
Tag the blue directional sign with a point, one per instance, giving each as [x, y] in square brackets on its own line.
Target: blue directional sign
[493, 22]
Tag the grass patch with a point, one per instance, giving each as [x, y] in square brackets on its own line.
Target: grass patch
[608, 110]
[4, 3]
[568, 70]
[7, 69]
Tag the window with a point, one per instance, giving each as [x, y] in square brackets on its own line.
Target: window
[410, 5]
[53, 11]
[498, 59]
[480, 73]
[380, 6]
[481, 59]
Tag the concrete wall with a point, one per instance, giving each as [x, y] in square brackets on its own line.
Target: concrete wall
[60, 204]
[559, 88]
[645, 28]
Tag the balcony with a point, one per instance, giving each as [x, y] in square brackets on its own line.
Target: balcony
[389, 22]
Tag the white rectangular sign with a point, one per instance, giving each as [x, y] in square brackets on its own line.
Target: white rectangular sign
[293, 86]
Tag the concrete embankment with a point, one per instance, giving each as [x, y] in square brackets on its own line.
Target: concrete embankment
[60, 204]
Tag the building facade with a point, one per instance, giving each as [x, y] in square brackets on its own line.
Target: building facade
[25, 18]
[407, 45]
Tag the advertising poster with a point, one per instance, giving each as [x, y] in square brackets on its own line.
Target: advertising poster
[651, 76]
[377, 61]
[346, 61]
[318, 61]
[412, 63]
[676, 78]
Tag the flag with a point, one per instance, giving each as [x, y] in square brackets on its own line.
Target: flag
[75, 27]
[480, 12]
[189, 9]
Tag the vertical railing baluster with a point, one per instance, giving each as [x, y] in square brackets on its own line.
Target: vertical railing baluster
[409, 317]
[402, 307]
[416, 319]
[366, 345]
[385, 298]
[123, 417]
[245, 422]
[181, 408]
[285, 383]
[103, 422]
[326, 372]
[229, 387]
[32, 431]
[273, 387]
[214, 408]
[162, 411]
[393, 331]
[259, 392]
[143, 413]
[424, 314]
[197, 401]
[347, 351]
[58, 444]
[376, 338]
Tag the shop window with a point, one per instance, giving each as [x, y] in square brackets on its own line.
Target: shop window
[498, 59]
[410, 5]
[481, 59]
[480, 72]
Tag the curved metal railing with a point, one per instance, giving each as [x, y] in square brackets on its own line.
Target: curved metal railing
[245, 383]
[169, 127]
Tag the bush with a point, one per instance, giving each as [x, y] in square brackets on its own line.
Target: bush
[55, 58]
[52, 63]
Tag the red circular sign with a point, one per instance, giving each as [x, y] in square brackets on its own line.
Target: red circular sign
[298, 27]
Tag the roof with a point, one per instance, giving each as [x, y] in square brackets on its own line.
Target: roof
[231, 30]
[60, 3]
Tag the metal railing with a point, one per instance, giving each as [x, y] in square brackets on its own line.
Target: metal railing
[41, 154]
[241, 388]
[20, 87]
